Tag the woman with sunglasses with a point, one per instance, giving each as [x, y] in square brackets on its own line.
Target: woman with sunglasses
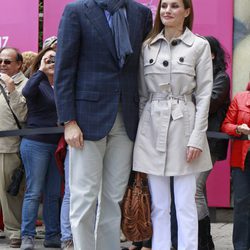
[37, 151]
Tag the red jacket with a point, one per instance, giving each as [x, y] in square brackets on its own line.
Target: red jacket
[237, 114]
[60, 154]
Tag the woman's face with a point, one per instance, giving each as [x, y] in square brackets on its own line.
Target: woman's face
[173, 13]
[49, 59]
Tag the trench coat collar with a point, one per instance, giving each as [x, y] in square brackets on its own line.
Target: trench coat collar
[187, 37]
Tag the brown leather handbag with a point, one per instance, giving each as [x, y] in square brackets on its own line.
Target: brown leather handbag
[136, 209]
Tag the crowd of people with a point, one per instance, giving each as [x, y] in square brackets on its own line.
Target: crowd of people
[86, 80]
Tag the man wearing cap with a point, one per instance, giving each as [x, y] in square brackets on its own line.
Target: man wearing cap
[12, 82]
[98, 49]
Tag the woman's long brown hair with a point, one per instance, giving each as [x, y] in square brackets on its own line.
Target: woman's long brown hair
[158, 25]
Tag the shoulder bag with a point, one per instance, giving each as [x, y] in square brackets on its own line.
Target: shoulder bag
[136, 209]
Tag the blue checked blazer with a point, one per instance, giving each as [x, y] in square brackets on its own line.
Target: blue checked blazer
[88, 81]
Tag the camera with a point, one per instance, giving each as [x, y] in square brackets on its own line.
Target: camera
[51, 60]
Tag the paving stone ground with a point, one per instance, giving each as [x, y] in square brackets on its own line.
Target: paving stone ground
[222, 235]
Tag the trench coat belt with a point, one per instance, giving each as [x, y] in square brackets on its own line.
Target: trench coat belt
[168, 96]
[166, 114]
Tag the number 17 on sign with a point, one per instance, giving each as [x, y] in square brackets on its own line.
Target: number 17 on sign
[3, 41]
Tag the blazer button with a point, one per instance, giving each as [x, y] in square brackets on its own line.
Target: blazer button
[174, 43]
[151, 61]
[165, 63]
[181, 59]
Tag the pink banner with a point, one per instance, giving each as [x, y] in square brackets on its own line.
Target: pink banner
[19, 24]
[219, 23]
[53, 10]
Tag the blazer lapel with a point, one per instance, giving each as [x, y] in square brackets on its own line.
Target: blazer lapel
[98, 19]
[132, 16]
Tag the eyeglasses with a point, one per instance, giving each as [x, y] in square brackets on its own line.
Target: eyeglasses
[5, 61]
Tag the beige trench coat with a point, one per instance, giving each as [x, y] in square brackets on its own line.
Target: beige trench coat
[173, 75]
[7, 121]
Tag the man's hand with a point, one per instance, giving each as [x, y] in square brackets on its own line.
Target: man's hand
[9, 83]
[73, 135]
[192, 153]
[243, 129]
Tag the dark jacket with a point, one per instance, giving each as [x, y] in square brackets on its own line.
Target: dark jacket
[89, 85]
[41, 107]
[220, 100]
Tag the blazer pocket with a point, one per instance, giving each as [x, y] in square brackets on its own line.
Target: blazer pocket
[88, 96]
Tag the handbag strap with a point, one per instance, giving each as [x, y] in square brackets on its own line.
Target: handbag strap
[141, 179]
[8, 103]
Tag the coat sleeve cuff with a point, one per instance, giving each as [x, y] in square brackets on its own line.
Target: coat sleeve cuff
[197, 140]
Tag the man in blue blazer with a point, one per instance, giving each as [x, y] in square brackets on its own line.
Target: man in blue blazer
[99, 44]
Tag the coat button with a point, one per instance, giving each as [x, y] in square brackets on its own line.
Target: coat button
[181, 59]
[165, 63]
[151, 61]
[174, 43]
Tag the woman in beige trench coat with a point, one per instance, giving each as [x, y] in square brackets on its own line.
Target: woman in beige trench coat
[175, 88]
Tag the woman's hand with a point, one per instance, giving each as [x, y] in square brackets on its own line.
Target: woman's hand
[243, 129]
[192, 153]
[47, 65]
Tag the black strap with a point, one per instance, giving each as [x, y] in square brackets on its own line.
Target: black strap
[32, 131]
[8, 102]
[218, 135]
[58, 130]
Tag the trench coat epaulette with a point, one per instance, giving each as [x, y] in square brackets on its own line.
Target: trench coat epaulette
[203, 37]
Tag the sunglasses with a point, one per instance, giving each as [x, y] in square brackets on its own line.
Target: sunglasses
[5, 61]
